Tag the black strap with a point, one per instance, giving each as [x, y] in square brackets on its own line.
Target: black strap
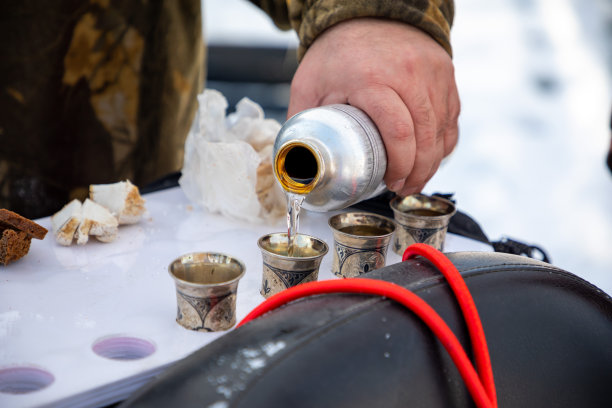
[168, 181]
[510, 246]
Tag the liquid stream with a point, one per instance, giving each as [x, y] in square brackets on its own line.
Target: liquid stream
[294, 205]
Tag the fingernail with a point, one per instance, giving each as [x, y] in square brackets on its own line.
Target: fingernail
[396, 185]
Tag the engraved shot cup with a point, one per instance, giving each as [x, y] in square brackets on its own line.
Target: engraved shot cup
[361, 241]
[206, 288]
[281, 271]
[421, 219]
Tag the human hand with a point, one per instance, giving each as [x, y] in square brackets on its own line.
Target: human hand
[401, 77]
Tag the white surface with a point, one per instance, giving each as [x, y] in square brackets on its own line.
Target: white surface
[57, 301]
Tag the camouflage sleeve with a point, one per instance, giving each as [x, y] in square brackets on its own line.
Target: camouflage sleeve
[310, 18]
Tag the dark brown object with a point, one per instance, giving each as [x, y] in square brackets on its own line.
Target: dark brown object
[13, 245]
[16, 233]
[12, 220]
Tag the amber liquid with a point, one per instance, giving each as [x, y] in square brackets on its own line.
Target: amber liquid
[364, 230]
[208, 273]
[424, 212]
[303, 252]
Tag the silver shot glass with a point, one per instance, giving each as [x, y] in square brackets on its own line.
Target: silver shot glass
[281, 271]
[206, 289]
[361, 241]
[421, 219]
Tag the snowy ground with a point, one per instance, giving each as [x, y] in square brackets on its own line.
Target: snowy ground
[535, 83]
[536, 105]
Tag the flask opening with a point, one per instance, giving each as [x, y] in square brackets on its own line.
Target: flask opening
[301, 165]
[297, 168]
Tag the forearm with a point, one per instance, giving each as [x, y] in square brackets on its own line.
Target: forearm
[311, 18]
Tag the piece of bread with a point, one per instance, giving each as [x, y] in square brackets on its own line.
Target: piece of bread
[13, 245]
[82, 232]
[122, 199]
[16, 233]
[98, 221]
[66, 221]
[10, 219]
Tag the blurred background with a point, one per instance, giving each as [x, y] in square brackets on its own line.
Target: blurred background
[535, 81]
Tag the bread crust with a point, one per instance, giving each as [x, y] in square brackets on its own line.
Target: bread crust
[100, 222]
[122, 199]
[66, 221]
[10, 219]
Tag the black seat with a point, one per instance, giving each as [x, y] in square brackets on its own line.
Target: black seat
[549, 334]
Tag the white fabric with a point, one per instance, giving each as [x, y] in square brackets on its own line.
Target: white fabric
[228, 161]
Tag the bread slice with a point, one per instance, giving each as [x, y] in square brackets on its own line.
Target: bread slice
[98, 221]
[10, 219]
[66, 221]
[122, 199]
[16, 233]
[13, 245]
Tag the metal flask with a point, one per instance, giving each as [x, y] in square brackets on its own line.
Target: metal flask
[333, 155]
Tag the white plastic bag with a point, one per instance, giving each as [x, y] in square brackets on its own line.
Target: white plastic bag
[227, 167]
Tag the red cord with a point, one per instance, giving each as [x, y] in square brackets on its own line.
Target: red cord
[479, 389]
[470, 313]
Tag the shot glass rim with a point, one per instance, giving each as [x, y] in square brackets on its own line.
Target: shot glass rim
[335, 230]
[207, 285]
[394, 200]
[305, 258]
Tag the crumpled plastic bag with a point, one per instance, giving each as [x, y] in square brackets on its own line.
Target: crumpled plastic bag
[227, 167]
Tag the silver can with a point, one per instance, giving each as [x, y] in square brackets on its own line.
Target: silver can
[333, 155]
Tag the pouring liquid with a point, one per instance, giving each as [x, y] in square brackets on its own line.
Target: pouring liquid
[294, 205]
[297, 168]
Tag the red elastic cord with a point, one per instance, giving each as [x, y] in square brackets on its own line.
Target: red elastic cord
[470, 313]
[474, 384]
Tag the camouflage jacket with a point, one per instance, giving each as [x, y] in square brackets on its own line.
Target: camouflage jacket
[99, 91]
[310, 18]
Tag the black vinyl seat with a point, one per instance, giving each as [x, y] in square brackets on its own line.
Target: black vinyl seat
[549, 334]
